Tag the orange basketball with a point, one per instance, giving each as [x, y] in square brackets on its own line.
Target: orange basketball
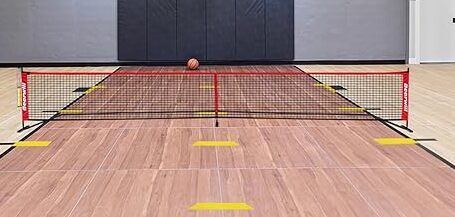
[192, 64]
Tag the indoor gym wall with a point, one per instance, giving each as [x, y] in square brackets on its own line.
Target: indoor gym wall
[86, 31]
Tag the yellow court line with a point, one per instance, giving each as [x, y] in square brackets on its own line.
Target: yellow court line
[71, 111]
[395, 141]
[211, 113]
[96, 87]
[32, 143]
[220, 206]
[351, 109]
[326, 86]
[215, 144]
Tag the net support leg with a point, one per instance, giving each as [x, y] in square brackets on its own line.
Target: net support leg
[28, 126]
[404, 127]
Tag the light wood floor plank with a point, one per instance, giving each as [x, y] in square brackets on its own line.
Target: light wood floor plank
[282, 168]
[401, 155]
[149, 193]
[45, 193]
[138, 149]
[252, 151]
[348, 149]
[70, 150]
[264, 190]
[179, 152]
[393, 193]
[330, 189]
[437, 181]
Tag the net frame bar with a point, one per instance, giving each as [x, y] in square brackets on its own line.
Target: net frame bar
[216, 75]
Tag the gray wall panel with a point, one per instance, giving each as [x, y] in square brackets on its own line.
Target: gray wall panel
[57, 31]
[351, 29]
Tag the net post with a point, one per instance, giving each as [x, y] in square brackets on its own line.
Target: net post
[405, 100]
[215, 84]
[407, 118]
[24, 98]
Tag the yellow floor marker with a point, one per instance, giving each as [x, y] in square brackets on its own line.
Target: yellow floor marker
[71, 111]
[351, 109]
[215, 144]
[96, 87]
[220, 206]
[211, 113]
[326, 86]
[32, 143]
[395, 141]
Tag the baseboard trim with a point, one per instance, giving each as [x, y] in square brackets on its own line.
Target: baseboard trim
[413, 61]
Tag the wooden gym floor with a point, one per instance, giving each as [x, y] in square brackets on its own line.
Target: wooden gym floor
[280, 168]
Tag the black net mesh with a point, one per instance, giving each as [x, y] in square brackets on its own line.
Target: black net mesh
[132, 95]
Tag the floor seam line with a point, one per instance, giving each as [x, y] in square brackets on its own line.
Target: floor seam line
[218, 172]
[360, 193]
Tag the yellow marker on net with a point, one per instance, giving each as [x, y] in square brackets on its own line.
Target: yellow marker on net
[215, 144]
[220, 206]
[71, 111]
[326, 86]
[207, 86]
[351, 109]
[91, 89]
[32, 144]
[395, 141]
[19, 97]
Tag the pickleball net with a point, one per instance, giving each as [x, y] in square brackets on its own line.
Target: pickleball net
[215, 94]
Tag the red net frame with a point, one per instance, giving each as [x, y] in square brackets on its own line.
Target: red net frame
[303, 95]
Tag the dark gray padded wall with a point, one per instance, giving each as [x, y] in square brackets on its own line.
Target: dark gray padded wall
[221, 29]
[206, 29]
[191, 29]
[132, 21]
[162, 30]
[351, 29]
[279, 29]
[250, 37]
